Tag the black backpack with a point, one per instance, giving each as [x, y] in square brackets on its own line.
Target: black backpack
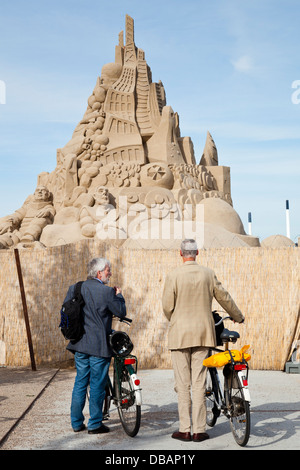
[71, 316]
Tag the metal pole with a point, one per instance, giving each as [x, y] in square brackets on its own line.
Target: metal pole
[249, 223]
[33, 366]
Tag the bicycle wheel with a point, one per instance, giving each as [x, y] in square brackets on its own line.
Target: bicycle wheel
[211, 395]
[239, 412]
[129, 411]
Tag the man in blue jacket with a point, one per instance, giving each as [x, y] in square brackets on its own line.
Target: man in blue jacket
[92, 351]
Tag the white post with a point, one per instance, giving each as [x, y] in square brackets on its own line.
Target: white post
[287, 213]
[249, 223]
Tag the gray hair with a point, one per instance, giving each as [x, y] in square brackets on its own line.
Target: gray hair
[95, 265]
[189, 248]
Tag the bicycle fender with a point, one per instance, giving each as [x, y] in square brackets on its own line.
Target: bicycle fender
[244, 385]
[137, 389]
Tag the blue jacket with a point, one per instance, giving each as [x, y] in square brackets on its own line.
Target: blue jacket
[101, 303]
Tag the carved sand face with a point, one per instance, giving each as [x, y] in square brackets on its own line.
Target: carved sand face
[109, 74]
[101, 195]
[41, 194]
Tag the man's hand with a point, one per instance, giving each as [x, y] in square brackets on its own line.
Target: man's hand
[43, 213]
[5, 227]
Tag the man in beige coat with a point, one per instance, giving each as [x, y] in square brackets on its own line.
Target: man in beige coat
[187, 304]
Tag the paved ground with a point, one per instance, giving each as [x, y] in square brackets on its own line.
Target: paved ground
[34, 414]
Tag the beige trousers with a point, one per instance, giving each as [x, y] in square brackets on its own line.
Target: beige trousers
[190, 378]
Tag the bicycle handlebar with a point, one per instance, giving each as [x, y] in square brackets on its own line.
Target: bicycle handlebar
[222, 319]
[225, 318]
[125, 320]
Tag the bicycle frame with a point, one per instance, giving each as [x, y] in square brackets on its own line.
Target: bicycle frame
[130, 362]
[239, 367]
[125, 390]
[234, 399]
[220, 403]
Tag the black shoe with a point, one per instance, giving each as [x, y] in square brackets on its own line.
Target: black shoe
[82, 428]
[100, 430]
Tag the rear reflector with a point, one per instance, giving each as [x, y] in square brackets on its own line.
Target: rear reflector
[240, 367]
[129, 361]
[137, 382]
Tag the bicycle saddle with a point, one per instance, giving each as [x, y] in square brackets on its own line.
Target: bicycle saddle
[228, 335]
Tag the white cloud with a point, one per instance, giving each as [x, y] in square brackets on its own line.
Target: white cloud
[244, 64]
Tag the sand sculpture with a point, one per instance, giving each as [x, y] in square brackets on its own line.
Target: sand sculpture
[26, 224]
[127, 167]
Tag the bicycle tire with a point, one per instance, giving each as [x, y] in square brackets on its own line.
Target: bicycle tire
[239, 412]
[129, 411]
[211, 395]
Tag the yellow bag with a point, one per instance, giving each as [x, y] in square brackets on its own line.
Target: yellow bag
[223, 358]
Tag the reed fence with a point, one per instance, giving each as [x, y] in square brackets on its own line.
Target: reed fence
[263, 281]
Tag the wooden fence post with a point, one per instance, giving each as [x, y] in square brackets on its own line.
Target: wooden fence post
[18, 263]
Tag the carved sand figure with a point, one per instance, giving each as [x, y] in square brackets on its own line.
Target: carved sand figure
[26, 224]
[100, 219]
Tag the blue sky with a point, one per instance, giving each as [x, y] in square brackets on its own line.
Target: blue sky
[228, 67]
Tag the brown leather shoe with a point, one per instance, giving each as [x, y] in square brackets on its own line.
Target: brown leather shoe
[182, 436]
[200, 436]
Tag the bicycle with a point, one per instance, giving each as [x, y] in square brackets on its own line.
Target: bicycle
[234, 399]
[124, 390]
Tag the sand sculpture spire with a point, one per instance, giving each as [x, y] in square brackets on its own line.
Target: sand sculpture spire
[128, 146]
[210, 153]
